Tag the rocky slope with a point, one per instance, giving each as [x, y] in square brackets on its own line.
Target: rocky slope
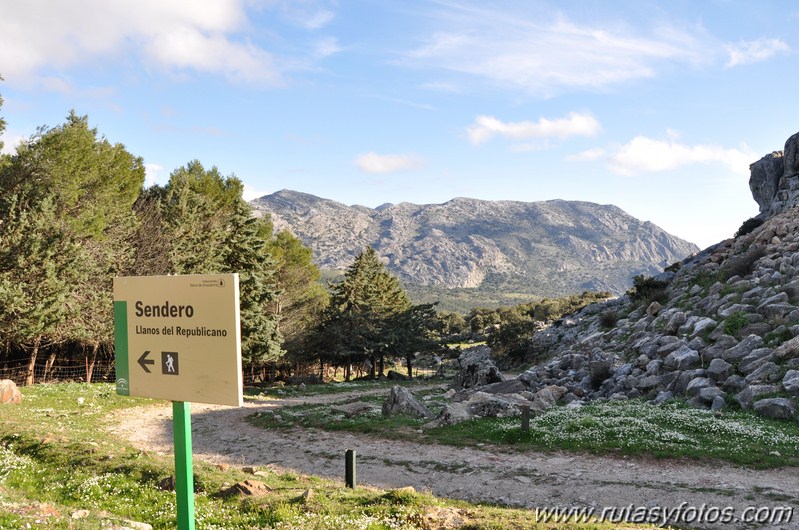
[726, 328]
[547, 248]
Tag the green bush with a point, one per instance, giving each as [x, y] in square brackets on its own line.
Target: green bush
[735, 323]
[748, 226]
[647, 290]
[608, 319]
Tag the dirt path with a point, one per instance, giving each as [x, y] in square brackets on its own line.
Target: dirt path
[530, 480]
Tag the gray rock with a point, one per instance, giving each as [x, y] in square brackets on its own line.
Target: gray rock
[787, 350]
[401, 401]
[653, 309]
[485, 405]
[649, 382]
[477, 369]
[749, 394]
[451, 414]
[743, 348]
[719, 403]
[511, 386]
[703, 325]
[674, 323]
[697, 384]
[710, 393]
[734, 384]
[683, 358]
[764, 179]
[791, 382]
[777, 408]
[662, 397]
[767, 373]
[754, 360]
[547, 397]
[719, 370]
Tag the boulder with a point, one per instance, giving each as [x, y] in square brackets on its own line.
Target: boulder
[749, 394]
[777, 408]
[451, 414]
[9, 393]
[788, 349]
[477, 369]
[697, 385]
[401, 401]
[791, 382]
[547, 397]
[742, 349]
[511, 386]
[684, 358]
[719, 370]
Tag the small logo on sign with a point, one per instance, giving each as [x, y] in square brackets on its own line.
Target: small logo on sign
[169, 363]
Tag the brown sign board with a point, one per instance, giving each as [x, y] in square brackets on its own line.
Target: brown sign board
[179, 337]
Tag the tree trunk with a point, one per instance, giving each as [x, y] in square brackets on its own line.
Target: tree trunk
[48, 366]
[409, 364]
[90, 365]
[372, 374]
[382, 365]
[32, 364]
[321, 371]
[347, 371]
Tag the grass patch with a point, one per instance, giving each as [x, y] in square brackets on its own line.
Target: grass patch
[671, 430]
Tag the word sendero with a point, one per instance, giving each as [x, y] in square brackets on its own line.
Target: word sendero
[164, 310]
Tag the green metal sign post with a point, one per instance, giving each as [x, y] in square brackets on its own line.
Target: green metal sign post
[184, 470]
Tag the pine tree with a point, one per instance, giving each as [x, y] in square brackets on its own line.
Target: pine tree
[361, 309]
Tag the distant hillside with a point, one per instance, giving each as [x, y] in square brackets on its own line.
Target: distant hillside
[519, 249]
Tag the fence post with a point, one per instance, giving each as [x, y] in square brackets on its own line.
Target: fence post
[349, 468]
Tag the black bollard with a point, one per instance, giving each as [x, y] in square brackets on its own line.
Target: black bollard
[525, 419]
[349, 468]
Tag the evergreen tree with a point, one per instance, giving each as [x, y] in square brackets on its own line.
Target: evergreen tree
[245, 253]
[301, 298]
[211, 230]
[361, 309]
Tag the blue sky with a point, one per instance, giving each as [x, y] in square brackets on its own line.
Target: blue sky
[656, 107]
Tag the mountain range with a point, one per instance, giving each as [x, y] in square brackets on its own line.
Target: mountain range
[521, 249]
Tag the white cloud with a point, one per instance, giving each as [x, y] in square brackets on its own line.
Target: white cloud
[748, 52]
[326, 47]
[646, 155]
[575, 124]
[544, 54]
[10, 141]
[154, 174]
[374, 163]
[597, 153]
[38, 36]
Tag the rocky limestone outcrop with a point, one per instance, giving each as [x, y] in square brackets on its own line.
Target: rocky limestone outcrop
[725, 330]
[774, 179]
[477, 369]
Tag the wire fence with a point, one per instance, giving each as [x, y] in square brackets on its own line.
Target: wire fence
[103, 371]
